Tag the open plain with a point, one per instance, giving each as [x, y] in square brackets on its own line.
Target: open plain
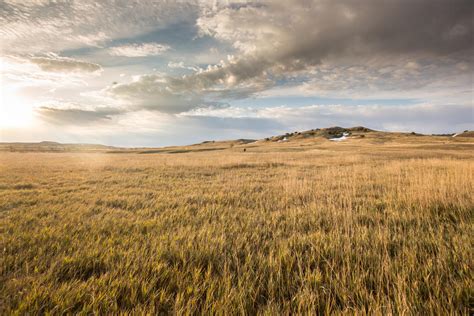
[377, 224]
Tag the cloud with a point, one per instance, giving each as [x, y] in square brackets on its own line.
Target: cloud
[139, 50]
[55, 63]
[154, 92]
[176, 65]
[352, 33]
[272, 30]
[19, 73]
[427, 79]
[76, 115]
[269, 35]
[41, 26]
[177, 94]
[353, 48]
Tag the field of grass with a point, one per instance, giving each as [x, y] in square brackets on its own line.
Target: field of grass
[366, 226]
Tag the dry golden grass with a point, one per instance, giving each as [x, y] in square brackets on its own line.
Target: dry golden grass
[307, 227]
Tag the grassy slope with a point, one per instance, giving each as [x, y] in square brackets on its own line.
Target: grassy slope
[379, 224]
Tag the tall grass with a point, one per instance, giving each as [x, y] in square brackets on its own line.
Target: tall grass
[378, 232]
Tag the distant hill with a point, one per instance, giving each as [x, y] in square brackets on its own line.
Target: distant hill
[328, 133]
[465, 134]
[48, 146]
[314, 135]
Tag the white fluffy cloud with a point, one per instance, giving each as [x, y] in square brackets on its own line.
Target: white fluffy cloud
[139, 50]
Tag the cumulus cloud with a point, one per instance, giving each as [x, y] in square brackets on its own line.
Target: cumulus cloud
[404, 78]
[168, 94]
[341, 28]
[55, 63]
[356, 48]
[176, 65]
[181, 65]
[267, 37]
[281, 37]
[139, 50]
[155, 92]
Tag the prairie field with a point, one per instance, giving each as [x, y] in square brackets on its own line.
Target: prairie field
[305, 227]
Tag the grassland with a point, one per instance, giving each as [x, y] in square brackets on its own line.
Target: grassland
[381, 224]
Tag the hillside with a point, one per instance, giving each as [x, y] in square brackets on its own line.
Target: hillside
[48, 146]
[307, 139]
[465, 134]
[328, 133]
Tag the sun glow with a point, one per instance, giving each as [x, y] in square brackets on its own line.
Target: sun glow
[15, 111]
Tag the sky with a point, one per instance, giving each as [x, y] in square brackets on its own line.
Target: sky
[157, 73]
